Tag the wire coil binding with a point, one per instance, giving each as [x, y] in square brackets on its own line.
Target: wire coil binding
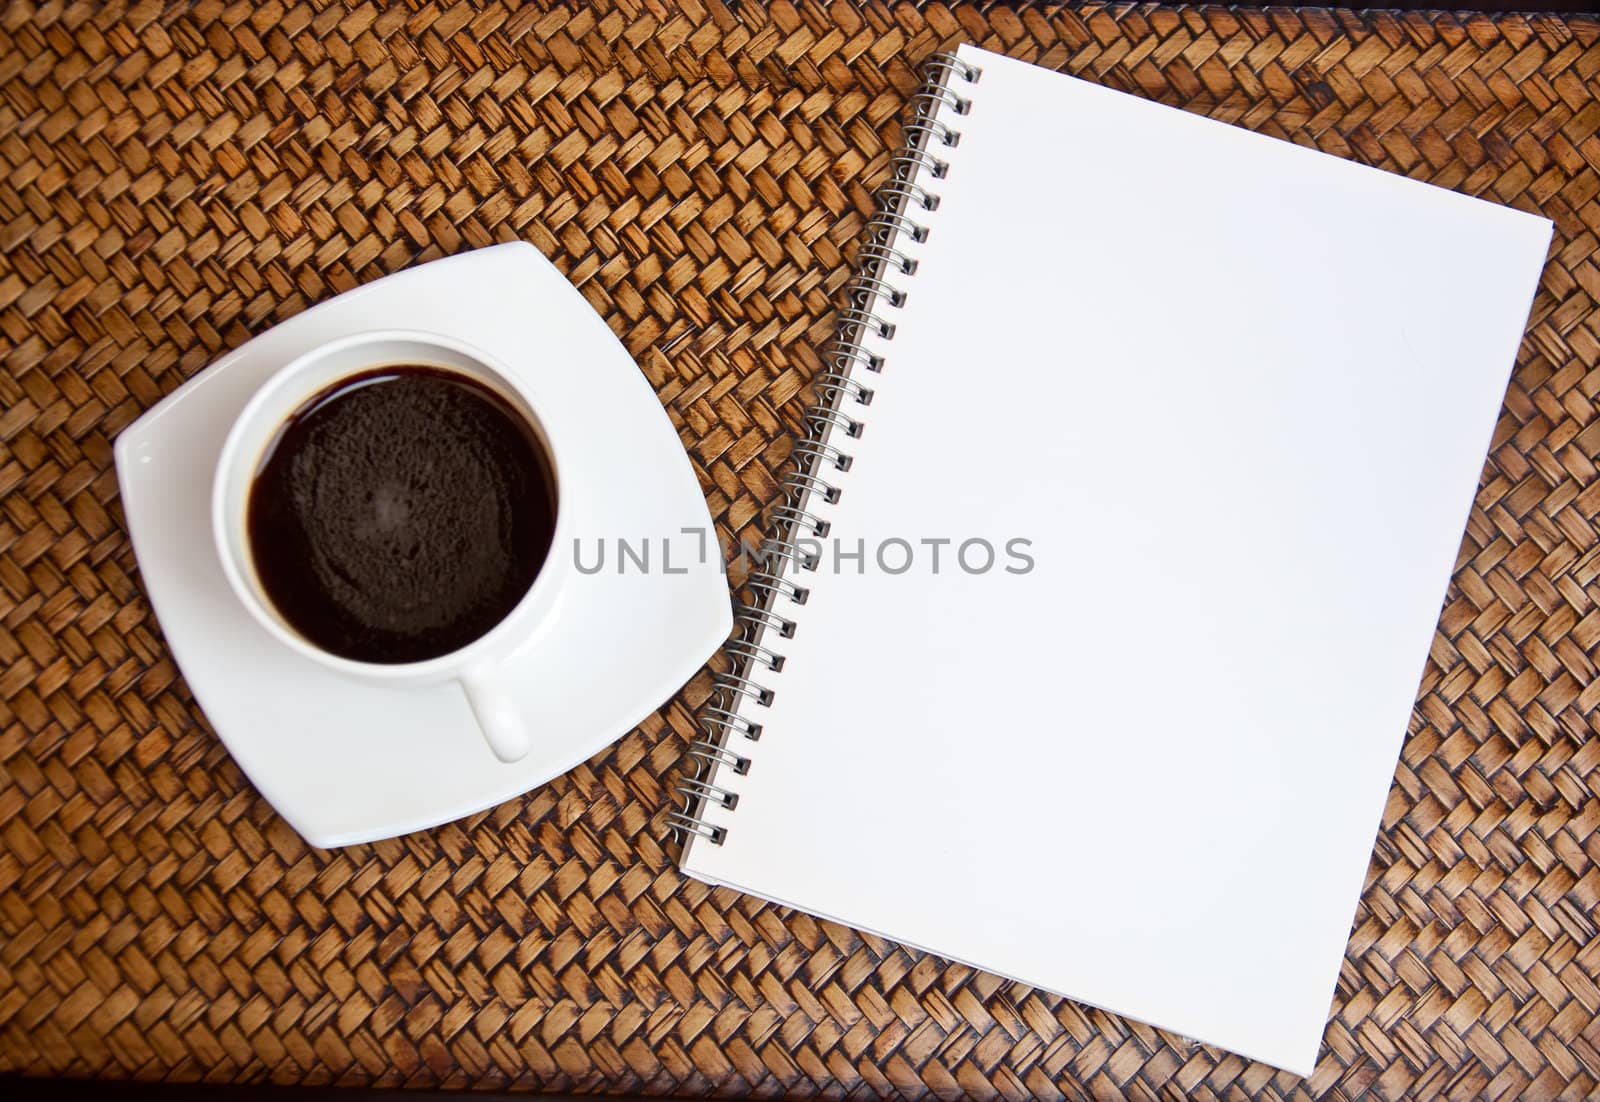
[874, 288]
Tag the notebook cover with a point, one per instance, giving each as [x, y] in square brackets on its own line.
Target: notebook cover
[1216, 405]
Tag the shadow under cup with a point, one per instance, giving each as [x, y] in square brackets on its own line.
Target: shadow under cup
[451, 451]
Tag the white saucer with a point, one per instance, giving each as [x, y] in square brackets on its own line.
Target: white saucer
[348, 762]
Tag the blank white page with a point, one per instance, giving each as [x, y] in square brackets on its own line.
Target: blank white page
[1237, 394]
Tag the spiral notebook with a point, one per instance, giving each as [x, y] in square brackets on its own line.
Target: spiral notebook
[1096, 611]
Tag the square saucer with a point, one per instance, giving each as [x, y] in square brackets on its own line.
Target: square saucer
[344, 761]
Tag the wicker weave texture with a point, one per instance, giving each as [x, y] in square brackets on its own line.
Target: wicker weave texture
[174, 179]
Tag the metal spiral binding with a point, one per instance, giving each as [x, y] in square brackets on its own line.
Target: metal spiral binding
[716, 722]
[801, 484]
[908, 162]
[818, 452]
[884, 257]
[831, 420]
[886, 225]
[837, 385]
[763, 619]
[820, 420]
[863, 288]
[787, 550]
[788, 514]
[845, 355]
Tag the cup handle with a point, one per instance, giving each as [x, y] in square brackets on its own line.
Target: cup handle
[502, 727]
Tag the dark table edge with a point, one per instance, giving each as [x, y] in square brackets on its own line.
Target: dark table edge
[28, 1089]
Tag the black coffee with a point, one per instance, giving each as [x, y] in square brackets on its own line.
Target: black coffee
[400, 514]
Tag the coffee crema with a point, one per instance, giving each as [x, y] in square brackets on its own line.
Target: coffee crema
[400, 514]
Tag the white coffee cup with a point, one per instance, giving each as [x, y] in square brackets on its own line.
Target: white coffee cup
[480, 666]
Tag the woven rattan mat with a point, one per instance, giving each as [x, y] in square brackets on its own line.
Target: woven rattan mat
[175, 179]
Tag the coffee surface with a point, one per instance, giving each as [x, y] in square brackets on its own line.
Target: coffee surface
[400, 514]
